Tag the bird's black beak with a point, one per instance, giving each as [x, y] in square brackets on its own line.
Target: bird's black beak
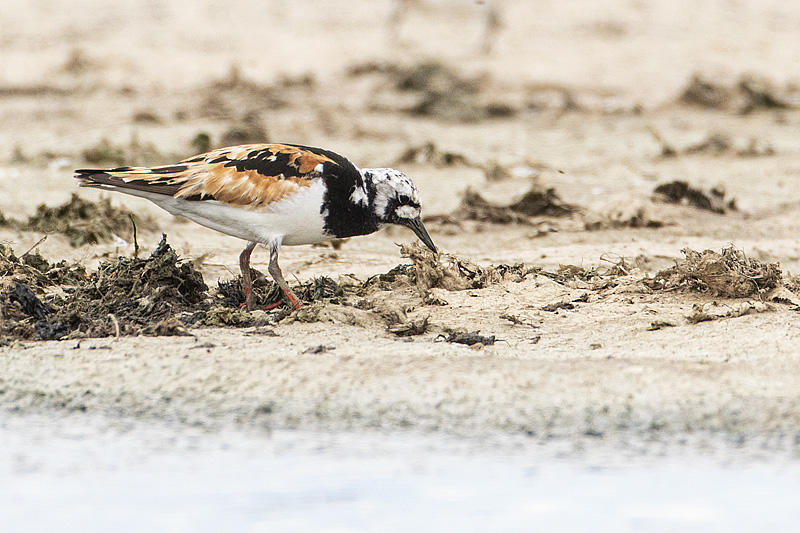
[416, 226]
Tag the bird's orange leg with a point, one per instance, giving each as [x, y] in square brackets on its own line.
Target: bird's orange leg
[277, 275]
[247, 281]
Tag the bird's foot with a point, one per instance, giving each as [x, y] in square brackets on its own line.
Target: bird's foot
[296, 304]
[269, 307]
[248, 301]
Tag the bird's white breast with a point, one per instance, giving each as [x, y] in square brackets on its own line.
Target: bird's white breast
[294, 219]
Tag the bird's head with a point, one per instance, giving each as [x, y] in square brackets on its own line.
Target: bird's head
[397, 201]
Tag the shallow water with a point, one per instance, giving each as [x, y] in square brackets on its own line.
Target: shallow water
[82, 473]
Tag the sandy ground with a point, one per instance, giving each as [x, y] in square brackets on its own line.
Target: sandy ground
[69, 78]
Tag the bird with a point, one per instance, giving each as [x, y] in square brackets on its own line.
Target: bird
[275, 195]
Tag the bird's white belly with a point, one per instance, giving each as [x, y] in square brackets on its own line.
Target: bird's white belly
[292, 220]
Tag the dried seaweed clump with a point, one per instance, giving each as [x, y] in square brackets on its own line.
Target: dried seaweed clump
[476, 207]
[105, 153]
[729, 274]
[453, 273]
[446, 94]
[542, 202]
[714, 311]
[123, 297]
[592, 278]
[128, 294]
[84, 222]
[429, 153]
[469, 338]
[19, 307]
[22, 280]
[746, 95]
[680, 192]
[623, 218]
[249, 129]
[267, 292]
[35, 271]
[718, 143]
[535, 202]
[433, 76]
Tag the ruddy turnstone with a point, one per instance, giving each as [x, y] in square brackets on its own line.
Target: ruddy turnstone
[273, 194]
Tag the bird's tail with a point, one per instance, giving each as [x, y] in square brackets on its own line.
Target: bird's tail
[158, 180]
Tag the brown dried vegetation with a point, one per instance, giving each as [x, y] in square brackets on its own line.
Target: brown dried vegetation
[729, 274]
[748, 94]
[83, 221]
[680, 192]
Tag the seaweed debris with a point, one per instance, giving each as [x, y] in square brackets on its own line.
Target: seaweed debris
[427, 271]
[761, 94]
[230, 294]
[35, 271]
[660, 324]
[535, 202]
[705, 93]
[221, 97]
[431, 154]
[19, 307]
[22, 280]
[729, 273]
[83, 221]
[469, 338]
[558, 306]
[410, 328]
[201, 143]
[748, 94]
[437, 90]
[538, 202]
[371, 67]
[105, 153]
[221, 316]
[267, 293]
[623, 218]
[680, 192]
[592, 278]
[453, 273]
[163, 295]
[476, 207]
[715, 143]
[433, 76]
[445, 93]
[147, 116]
[168, 327]
[249, 129]
[128, 296]
[713, 311]
[718, 143]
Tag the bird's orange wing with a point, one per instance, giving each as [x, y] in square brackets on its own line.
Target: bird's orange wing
[250, 176]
